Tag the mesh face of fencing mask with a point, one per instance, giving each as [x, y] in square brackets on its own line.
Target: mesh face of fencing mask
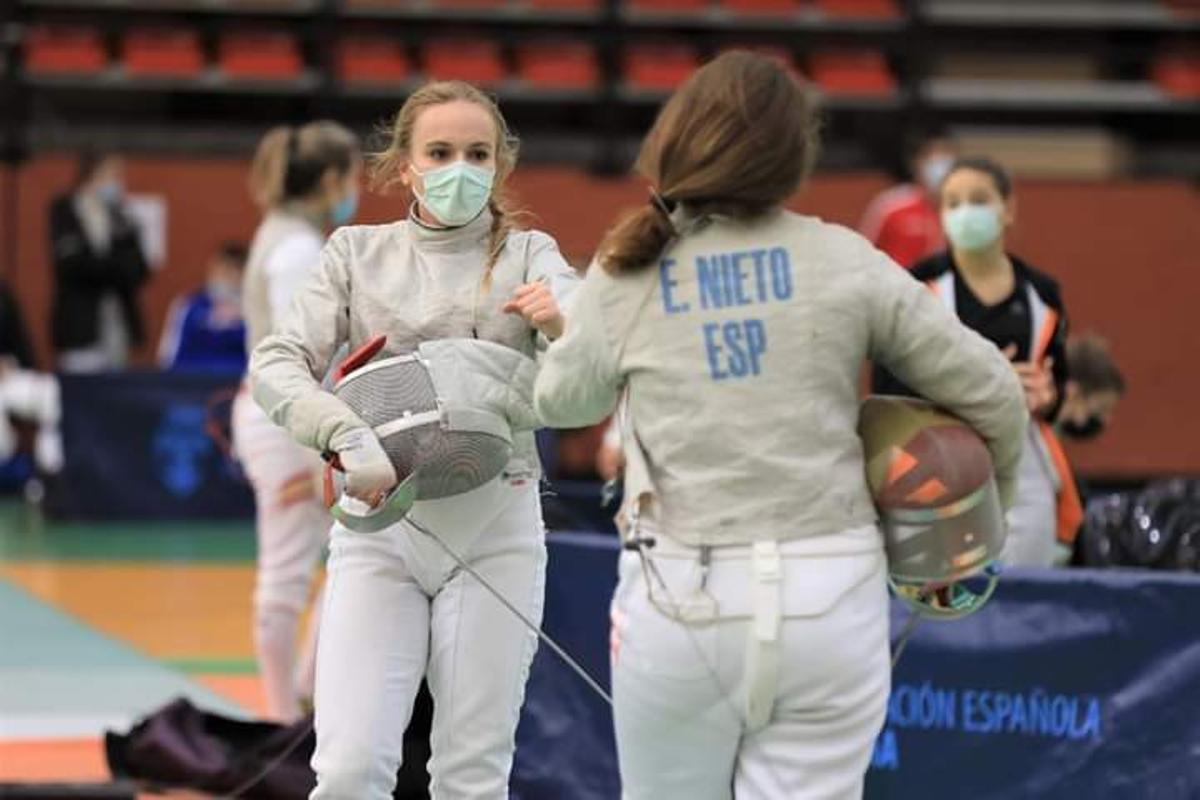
[435, 454]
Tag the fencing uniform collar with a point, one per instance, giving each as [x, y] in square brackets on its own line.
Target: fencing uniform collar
[463, 237]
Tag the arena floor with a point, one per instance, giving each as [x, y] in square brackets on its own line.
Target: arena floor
[105, 622]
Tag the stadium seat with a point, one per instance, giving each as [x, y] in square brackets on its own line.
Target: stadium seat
[1178, 74]
[480, 4]
[659, 67]
[365, 59]
[171, 52]
[867, 9]
[263, 54]
[558, 64]
[775, 8]
[669, 6]
[476, 60]
[57, 49]
[564, 5]
[852, 73]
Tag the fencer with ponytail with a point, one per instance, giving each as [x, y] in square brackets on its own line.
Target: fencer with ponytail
[737, 139]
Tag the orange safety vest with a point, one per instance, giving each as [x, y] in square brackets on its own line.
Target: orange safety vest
[1044, 321]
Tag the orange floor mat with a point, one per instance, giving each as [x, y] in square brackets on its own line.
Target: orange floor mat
[53, 760]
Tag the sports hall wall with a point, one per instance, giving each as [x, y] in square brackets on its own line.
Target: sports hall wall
[1126, 254]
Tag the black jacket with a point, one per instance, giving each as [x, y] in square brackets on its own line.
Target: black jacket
[83, 277]
[996, 328]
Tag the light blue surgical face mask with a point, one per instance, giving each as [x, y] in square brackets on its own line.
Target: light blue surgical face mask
[972, 227]
[456, 193]
[934, 170]
[345, 209]
[110, 191]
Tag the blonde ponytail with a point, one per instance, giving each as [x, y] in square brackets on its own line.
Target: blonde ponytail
[290, 162]
[269, 168]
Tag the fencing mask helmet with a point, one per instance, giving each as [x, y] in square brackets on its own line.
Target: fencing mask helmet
[932, 482]
[445, 415]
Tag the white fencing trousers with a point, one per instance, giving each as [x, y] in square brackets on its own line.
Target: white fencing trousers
[291, 528]
[1033, 519]
[680, 692]
[397, 608]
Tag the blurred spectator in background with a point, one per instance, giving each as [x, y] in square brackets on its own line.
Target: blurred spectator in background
[98, 268]
[26, 397]
[1021, 310]
[207, 330]
[903, 221]
[1093, 389]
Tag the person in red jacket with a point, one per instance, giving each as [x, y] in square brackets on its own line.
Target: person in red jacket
[904, 221]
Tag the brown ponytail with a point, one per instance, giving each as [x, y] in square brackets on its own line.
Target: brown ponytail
[738, 138]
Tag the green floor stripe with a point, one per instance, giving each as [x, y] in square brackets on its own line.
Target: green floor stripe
[213, 666]
[26, 536]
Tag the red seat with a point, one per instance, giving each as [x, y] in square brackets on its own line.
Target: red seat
[564, 5]
[65, 49]
[369, 59]
[863, 9]
[776, 8]
[852, 72]
[172, 52]
[562, 64]
[269, 55]
[1178, 74]
[484, 4]
[475, 60]
[677, 6]
[659, 66]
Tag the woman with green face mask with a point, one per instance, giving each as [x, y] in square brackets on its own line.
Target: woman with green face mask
[1020, 309]
[453, 270]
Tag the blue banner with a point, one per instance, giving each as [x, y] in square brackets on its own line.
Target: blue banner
[1070, 683]
[138, 446]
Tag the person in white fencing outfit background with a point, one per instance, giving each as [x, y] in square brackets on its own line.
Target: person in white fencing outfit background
[397, 609]
[306, 179]
[749, 643]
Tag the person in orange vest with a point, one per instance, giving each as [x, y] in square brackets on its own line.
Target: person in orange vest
[904, 221]
[1020, 309]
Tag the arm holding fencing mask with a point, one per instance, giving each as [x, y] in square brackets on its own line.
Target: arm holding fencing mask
[579, 381]
[284, 369]
[918, 340]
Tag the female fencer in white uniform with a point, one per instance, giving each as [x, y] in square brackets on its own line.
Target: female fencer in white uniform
[306, 179]
[750, 650]
[397, 608]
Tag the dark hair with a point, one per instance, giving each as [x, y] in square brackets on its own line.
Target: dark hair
[989, 167]
[738, 138]
[233, 252]
[290, 162]
[90, 161]
[1091, 365]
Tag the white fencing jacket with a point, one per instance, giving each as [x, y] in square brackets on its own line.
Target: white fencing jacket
[414, 284]
[741, 351]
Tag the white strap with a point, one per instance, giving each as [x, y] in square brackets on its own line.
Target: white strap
[409, 420]
[762, 651]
